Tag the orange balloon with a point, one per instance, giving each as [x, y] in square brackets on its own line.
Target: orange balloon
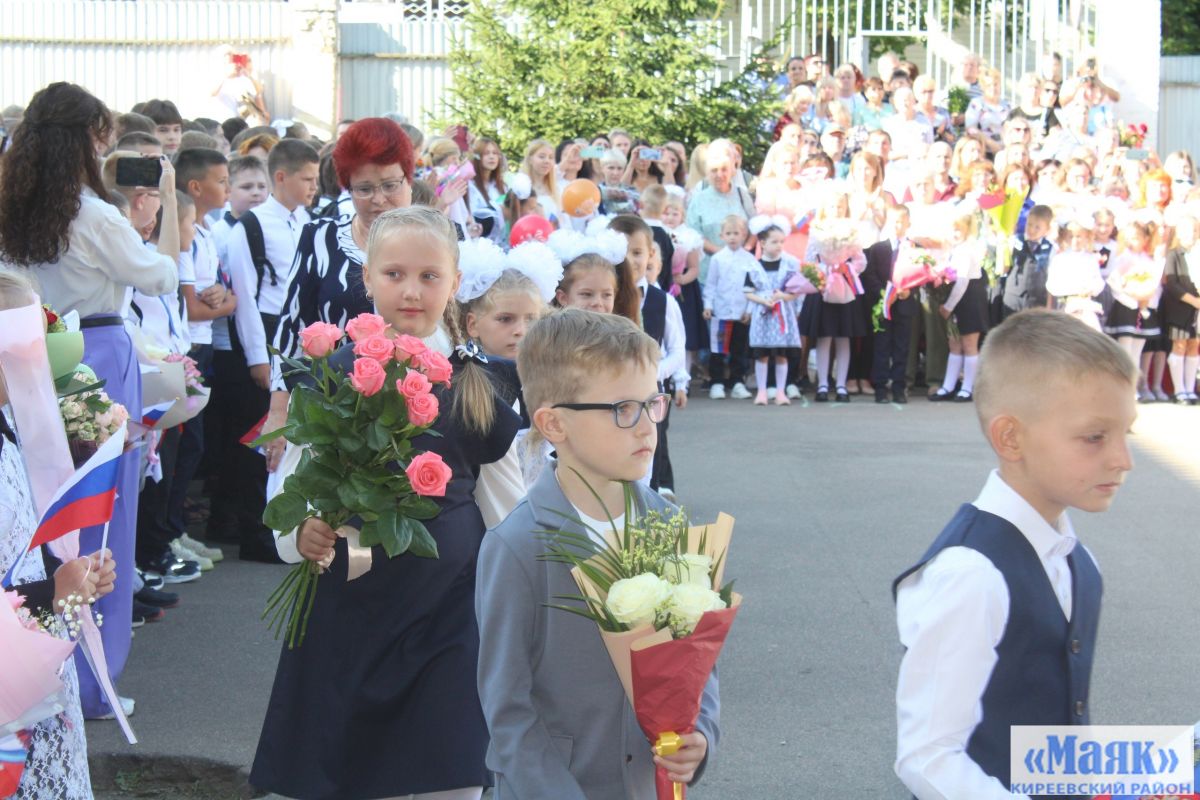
[581, 198]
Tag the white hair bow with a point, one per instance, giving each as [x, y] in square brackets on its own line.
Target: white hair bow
[482, 263]
[762, 222]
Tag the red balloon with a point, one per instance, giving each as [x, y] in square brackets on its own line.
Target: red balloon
[528, 228]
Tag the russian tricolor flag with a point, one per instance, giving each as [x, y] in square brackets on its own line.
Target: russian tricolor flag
[151, 415]
[86, 498]
[889, 297]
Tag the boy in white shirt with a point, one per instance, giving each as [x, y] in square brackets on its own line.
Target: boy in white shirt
[258, 258]
[728, 311]
[999, 616]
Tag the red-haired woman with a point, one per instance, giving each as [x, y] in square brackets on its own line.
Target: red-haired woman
[374, 161]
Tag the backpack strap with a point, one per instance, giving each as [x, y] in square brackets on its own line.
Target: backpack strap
[258, 250]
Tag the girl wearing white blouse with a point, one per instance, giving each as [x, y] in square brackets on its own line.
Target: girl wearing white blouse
[56, 221]
[967, 304]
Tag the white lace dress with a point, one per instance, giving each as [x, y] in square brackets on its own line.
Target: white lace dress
[57, 763]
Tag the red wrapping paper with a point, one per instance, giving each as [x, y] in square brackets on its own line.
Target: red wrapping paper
[668, 684]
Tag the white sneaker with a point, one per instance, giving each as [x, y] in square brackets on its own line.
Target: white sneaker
[127, 705]
[667, 494]
[186, 553]
[213, 554]
[717, 392]
[793, 392]
[739, 391]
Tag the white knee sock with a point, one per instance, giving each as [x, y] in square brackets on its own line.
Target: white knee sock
[1190, 363]
[1175, 364]
[970, 365]
[823, 345]
[953, 366]
[780, 376]
[760, 375]
[843, 361]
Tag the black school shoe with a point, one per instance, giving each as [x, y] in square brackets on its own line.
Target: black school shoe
[822, 395]
[899, 396]
[940, 396]
[881, 397]
[155, 598]
[964, 397]
[842, 395]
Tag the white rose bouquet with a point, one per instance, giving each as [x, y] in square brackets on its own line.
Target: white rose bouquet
[654, 589]
[90, 417]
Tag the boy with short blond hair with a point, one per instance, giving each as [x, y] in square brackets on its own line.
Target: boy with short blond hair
[999, 616]
[561, 727]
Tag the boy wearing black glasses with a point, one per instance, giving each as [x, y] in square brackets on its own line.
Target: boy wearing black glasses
[559, 721]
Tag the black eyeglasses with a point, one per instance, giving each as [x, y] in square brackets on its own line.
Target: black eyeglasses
[627, 413]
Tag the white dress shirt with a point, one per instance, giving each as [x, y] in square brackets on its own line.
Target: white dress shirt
[724, 288]
[673, 361]
[951, 615]
[967, 260]
[199, 268]
[104, 256]
[281, 234]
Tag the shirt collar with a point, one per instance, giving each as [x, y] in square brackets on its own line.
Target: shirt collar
[1048, 540]
[275, 207]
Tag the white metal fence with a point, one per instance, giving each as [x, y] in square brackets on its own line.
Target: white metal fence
[126, 52]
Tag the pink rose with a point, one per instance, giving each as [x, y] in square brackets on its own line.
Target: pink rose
[364, 326]
[422, 409]
[367, 377]
[435, 365]
[414, 383]
[319, 339]
[378, 348]
[408, 347]
[428, 475]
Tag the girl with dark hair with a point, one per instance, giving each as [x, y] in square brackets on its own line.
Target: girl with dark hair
[56, 221]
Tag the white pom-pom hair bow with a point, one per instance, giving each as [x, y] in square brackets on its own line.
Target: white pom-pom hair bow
[762, 222]
[570, 245]
[482, 263]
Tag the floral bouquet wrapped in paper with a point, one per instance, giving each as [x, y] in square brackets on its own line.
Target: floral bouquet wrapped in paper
[655, 592]
[841, 256]
[359, 463]
[807, 280]
[90, 417]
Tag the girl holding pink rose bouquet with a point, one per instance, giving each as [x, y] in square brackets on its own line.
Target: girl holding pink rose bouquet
[380, 699]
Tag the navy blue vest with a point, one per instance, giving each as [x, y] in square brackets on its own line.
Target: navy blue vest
[654, 313]
[1044, 664]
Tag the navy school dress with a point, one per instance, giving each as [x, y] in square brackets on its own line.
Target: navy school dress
[381, 698]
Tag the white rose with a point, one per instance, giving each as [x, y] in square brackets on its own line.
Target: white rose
[689, 568]
[635, 601]
[687, 604]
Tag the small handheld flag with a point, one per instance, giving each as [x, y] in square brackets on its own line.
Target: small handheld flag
[87, 498]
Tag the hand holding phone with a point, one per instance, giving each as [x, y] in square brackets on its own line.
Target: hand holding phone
[140, 171]
[650, 154]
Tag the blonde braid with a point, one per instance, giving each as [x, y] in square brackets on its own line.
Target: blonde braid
[474, 398]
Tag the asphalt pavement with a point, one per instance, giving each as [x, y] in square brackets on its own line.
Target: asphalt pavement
[831, 502]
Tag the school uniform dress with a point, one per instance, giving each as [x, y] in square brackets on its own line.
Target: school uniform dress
[1182, 268]
[1125, 318]
[106, 255]
[772, 331]
[1020, 601]
[836, 312]
[663, 322]
[691, 301]
[381, 700]
[968, 300]
[325, 286]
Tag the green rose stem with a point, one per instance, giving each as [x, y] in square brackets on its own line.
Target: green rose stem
[290, 605]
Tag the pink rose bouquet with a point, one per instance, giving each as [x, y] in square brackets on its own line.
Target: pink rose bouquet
[360, 467]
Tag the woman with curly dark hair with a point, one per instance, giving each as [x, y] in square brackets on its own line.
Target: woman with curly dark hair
[56, 221]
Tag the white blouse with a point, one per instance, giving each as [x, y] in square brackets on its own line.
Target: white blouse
[104, 255]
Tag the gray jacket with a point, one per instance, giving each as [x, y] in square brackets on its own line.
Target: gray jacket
[560, 724]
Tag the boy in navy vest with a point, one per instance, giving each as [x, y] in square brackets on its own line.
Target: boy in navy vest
[999, 616]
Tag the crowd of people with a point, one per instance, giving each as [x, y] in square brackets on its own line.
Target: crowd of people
[765, 287]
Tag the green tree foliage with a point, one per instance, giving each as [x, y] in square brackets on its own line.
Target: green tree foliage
[1180, 27]
[558, 69]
